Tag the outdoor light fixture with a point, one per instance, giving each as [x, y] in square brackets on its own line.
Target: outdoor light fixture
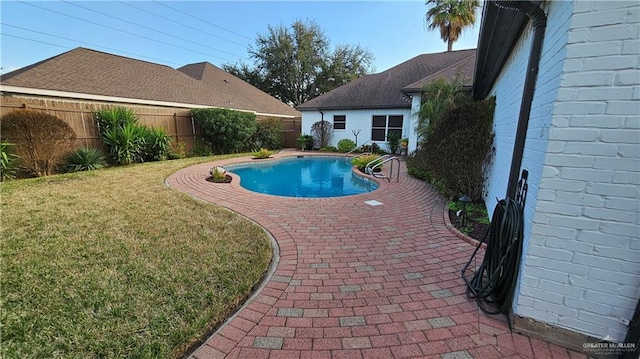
[465, 200]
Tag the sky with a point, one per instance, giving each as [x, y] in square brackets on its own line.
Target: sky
[177, 33]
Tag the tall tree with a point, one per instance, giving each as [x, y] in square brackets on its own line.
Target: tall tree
[451, 17]
[295, 64]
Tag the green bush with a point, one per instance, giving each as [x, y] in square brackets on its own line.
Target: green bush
[346, 145]
[372, 148]
[127, 141]
[438, 96]
[8, 161]
[201, 148]
[393, 139]
[262, 153]
[42, 141]
[305, 142]
[109, 118]
[269, 134]
[476, 212]
[456, 153]
[309, 142]
[362, 161]
[157, 144]
[126, 144]
[329, 149]
[227, 130]
[85, 159]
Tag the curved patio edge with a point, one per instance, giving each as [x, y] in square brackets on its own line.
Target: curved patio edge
[372, 275]
[457, 232]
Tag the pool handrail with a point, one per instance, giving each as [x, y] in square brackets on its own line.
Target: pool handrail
[357, 148]
[378, 162]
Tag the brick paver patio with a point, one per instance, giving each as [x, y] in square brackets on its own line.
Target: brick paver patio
[357, 281]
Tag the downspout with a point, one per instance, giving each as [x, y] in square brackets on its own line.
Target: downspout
[538, 24]
[321, 124]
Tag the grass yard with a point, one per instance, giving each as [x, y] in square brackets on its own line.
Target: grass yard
[112, 263]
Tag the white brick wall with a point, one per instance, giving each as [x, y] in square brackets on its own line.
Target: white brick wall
[508, 92]
[588, 210]
[581, 256]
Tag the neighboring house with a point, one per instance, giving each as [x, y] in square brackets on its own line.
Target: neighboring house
[93, 75]
[238, 93]
[85, 79]
[377, 104]
[580, 272]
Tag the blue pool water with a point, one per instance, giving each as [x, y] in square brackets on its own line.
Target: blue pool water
[303, 177]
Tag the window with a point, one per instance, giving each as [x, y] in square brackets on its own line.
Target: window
[339, 122]
[382, 125]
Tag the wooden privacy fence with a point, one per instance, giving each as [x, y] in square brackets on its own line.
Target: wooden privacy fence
[292, 128]
[79, 114]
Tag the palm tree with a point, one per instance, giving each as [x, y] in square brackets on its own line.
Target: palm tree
[451, 16]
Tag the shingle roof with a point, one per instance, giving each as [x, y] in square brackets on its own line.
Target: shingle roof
[93, 72]
[386, 89]
[463, 68]
[238, 90]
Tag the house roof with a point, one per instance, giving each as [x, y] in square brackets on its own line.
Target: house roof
[238, 90]
[463, 68]
[85, 71]
[387, 88]
[499, 31]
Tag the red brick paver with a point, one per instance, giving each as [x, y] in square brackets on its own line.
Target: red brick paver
[356, 281]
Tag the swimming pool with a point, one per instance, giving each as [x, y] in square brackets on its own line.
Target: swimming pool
[310, 177]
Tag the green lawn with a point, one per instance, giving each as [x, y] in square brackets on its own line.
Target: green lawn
[112, 263]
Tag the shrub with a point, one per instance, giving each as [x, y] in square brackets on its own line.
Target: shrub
[305, 142]
[263, 153]
[346, 145]
[41, 140]
[218, 174]
[126, 144]
[201, 148]
[372, 148]
[109, 118]
[456, 153]
[269, 134]
[176, 151]
[227, 130]
[362, 161]
[157, 144]
[309, 142]
[127, 141]
[85, 159]
[8, 161]
[438, 96]
[322, 132]
[329, 149]
[393, 139]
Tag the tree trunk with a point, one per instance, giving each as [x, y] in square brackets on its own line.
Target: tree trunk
[449, 45]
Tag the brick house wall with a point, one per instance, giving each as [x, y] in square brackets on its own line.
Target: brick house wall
[581, 259]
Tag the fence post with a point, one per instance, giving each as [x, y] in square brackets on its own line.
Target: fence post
[175, 123]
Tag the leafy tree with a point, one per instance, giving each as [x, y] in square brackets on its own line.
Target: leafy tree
[296, 64]
[438, 96]
[451, 17]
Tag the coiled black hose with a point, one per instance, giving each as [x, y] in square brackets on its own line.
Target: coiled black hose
[495, 280]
